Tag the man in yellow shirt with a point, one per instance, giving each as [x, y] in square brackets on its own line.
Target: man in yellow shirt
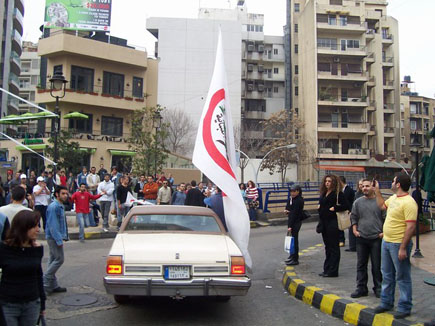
[398, 230]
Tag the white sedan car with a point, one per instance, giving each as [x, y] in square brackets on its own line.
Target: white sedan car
[174, 251]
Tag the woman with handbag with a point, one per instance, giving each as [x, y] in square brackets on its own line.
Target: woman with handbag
[252, 197]
[295, 211]
[22, 296]
[331, 201]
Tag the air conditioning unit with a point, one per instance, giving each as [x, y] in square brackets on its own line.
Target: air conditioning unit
[250, 87]
[260, 48]
[336, 59]
[250, 47]
[260, 87]
[260, 68]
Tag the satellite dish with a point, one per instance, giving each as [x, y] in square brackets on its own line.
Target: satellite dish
[380, 157]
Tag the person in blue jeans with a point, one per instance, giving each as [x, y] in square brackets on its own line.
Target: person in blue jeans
[398, 230]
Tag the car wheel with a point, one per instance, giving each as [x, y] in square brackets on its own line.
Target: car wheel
[223, 298]
[121, 299]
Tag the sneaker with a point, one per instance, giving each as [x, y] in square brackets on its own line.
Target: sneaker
[401, 314]
[82, 240]
[359, 293]
[59, 290]
[105, 230]
[292, 263]
[380, 309]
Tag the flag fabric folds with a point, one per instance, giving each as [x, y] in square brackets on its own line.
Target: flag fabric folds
[215, 155]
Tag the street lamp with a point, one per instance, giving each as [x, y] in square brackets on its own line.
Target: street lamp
[157, 123]
[398, 164]
[57, 84]
[290, 146]
[416, 143]
[243, 165]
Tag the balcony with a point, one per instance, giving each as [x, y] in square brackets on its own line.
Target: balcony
[337, 50]
[339, 28]
[18, 21]
[324, 75]
[370, 57]
[332, 100]
[15, 63]
[252, 56]
[95, 98]
[387, 61]
[19, 4]
[254, 95]
[389, 108]
[350, 127]
[16, 42]
[387, 38]
[371, 81]
[370, 34]
[258, 115]
[388, 85]
[13, 104]
[389, 132]
[14, 83]
[352, 154]
[372, 106]
[253, 134]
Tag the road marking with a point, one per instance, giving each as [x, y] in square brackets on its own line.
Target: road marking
[312, 248]
[294, 285]
[327, 303]
[319, 245]
[289, 268]
[305, 250]
[309, 294]
[291, 273]
[383, 319]
[351, 313]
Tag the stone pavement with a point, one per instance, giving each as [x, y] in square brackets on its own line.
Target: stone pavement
[311, 264]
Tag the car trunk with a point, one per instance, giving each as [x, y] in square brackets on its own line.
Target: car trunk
[164, 248]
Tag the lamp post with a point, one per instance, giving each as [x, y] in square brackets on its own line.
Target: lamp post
[243, 165]
[398, 164]
[290, 146]
[57, 84]
[416, 143]
[157, 123]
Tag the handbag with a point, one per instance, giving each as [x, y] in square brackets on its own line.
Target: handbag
[305, 215]
[289, 244]
[343, 219]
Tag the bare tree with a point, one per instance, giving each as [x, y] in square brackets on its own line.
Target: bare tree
[180, 131]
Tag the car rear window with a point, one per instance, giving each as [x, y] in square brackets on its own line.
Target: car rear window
[148, 222]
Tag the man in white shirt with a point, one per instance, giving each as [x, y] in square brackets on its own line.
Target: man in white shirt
[93, 179]
[42, 198]
[107, 187]
[18, 196]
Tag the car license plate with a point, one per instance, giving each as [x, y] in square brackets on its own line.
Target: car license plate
[177, 272]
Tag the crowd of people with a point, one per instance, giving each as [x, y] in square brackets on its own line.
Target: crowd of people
[381, 230]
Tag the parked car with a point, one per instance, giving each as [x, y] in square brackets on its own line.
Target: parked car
[174, 251]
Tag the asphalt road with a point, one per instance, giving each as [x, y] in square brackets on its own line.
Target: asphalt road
[265, 304]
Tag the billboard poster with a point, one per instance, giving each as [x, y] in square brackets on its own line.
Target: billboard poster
[91, 15]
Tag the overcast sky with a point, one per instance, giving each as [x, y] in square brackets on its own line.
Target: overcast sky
[415, 18]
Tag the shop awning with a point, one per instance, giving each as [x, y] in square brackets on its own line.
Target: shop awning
[341, 168]
[89, 150]
[34, 147]
[118, 152]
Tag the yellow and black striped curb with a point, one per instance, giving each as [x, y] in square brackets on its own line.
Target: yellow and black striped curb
[331, 304]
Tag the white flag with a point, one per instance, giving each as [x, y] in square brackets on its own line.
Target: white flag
[131, 200]
[215, 154]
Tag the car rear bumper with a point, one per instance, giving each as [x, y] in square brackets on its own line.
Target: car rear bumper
[143, 286]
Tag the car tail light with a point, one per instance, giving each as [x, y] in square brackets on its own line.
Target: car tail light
[238, 266]
[114, 265]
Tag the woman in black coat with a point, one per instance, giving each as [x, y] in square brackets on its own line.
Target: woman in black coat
[294, 209]
[328, 207]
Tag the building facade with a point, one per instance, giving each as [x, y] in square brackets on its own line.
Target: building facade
[11, 31]
[106, 81]
[345, 85]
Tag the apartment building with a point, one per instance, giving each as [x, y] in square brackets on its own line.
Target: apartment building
[11, 31]
[254, 64]
[417, 118]
[106, 81]
[345, 85]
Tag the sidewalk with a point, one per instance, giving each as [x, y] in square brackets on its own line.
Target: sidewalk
[90, 233]
[336, 291]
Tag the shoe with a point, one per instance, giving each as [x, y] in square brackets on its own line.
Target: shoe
[358, 294]
[105, 230]
[82, 240]
[330, 275]
[341, 244]
[322, 274]
[350, 250]
[292, 263]
[59, 290]
[377, 293]
[401, 314]
[380, 309]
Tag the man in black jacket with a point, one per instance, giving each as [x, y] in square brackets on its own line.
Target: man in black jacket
[194, 196]
[294, 209]
[349, 194]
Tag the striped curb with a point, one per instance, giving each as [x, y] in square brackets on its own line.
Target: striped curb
[331, 304]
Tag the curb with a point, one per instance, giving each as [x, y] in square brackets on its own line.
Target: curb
[88, 235]
[331, 304]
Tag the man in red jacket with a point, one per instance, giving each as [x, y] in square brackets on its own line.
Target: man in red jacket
[81, 199]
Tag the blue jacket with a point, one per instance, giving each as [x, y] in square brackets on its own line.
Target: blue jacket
[178, 198]
[215, 202]
[81, 178]
[56, 228]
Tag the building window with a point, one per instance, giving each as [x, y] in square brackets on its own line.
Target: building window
[276, 70]
[113, 84]
[297, 7]
[82, 79]
[296, 69]
[330, 43]
[58, 70]
[81, 125]
[332, 20]
[413, 125]
[402, 140]
[275, 51]
[137, 87]
[259, 28]
[296, 48]
[296, 90]
[275, 90]
[336, 2]
[402, 107]
[296, 28]
[111, 126]
[343, 20]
